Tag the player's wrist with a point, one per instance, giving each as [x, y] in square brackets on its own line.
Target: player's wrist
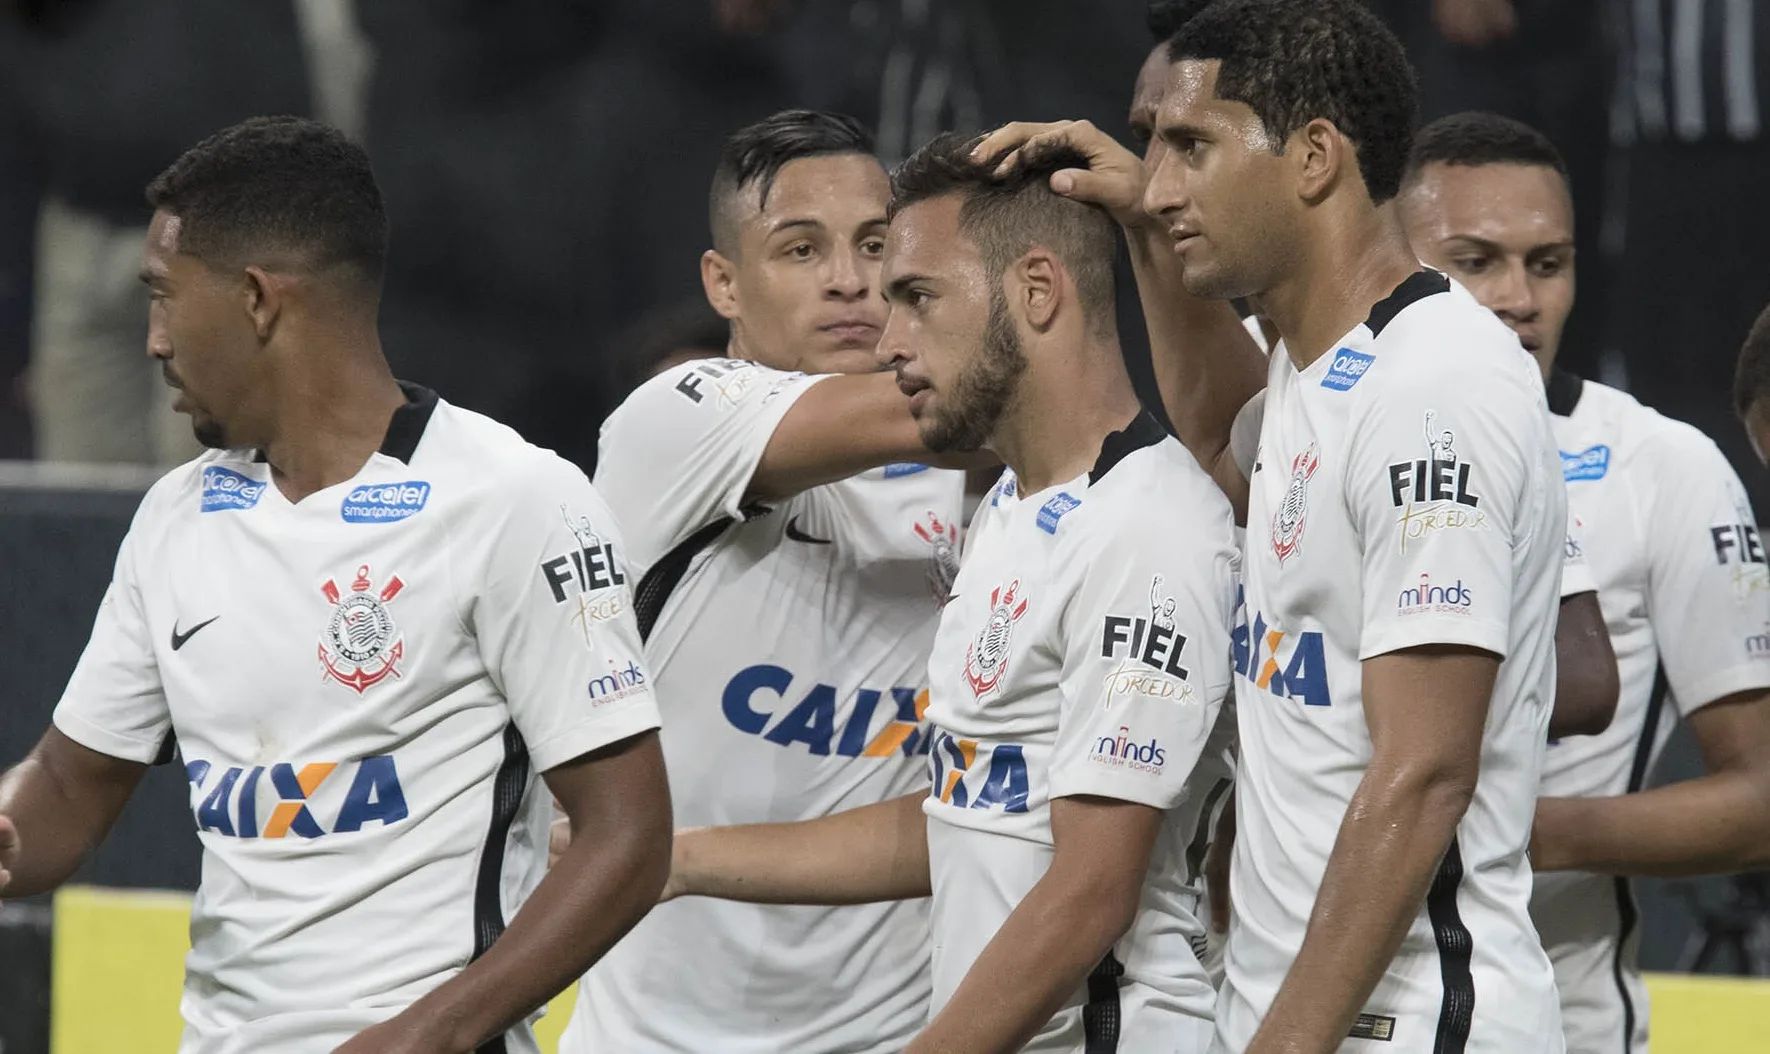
[681, 882]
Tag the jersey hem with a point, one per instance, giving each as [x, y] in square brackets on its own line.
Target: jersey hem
[594, 734]
[93, 737]
[1474, 633]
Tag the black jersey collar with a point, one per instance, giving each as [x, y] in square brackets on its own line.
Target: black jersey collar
[1143, 431]
[1564, 390]
[1418, 286]
[405, 429]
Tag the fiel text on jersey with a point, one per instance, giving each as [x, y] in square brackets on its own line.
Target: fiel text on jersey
[1433, 492]
[588, 575]
[727, 379]
[1151, 645]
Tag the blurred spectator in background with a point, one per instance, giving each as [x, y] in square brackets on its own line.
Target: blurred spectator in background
[104, 94]
[1694, 80]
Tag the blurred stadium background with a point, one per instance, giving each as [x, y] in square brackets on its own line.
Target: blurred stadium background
[545, 164]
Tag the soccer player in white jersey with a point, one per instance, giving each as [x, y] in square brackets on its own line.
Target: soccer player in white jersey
[1406, 529]
[357, 618]
[791, 552]
[1681, 576]
[1079, 667]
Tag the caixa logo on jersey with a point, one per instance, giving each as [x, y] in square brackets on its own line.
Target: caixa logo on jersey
[586, 575]
[385, 502]
[879, 723]
[225, 489]
[1433, 492]
[1288, 664]
[969, 775]
[1123, 751]
[275, 801]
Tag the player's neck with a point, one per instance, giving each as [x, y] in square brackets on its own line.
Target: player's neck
[1064, 409]
[1344, 273]
[331, 415]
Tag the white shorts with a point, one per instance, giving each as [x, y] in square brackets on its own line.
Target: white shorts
[1592, 932]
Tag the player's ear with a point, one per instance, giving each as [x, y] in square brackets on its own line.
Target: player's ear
[719, 280]
[1319, 154]
[1037, 282]
[261, 294]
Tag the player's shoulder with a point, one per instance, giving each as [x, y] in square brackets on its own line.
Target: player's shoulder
[699, 386]
[212, 481]
[1154, 493]
[1649, 439]
[478, 458]
[1439, 333]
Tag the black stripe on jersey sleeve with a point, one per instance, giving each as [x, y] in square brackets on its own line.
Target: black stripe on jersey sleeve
[1419, 286]
[508, 787]
[1456, 950]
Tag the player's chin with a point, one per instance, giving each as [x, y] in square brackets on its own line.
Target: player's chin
[845, 356]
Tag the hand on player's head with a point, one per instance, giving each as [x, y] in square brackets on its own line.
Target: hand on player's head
[1113, 179]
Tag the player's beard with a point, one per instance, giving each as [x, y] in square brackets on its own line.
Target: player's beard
[209, 433]
[966, 418]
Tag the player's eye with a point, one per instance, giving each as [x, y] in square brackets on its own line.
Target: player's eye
[1549, 266]
[1142, 134]
[917, 299]
[801, 251]
[1472, 264]
[873, 247]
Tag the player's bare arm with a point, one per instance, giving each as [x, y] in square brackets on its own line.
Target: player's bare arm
[1055, 936]
[1206, 365]
[1426, 707]
[619, 806]
[841, 426]
[1717, 823]
[1586, 678]
[55, 806]
[873, 853]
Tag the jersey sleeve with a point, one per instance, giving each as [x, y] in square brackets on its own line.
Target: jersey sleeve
[115, 703]
[679, 453]
[1446, 476]
[1707, 594]
[1145, 661]
[554, 619]
[1576, 575]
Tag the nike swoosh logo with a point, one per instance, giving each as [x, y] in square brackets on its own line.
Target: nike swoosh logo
[798, 535]
[178, 638]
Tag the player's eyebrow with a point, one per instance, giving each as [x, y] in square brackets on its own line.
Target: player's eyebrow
[794, 224]
[898, 287]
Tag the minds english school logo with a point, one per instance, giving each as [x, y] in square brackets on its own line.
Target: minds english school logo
[1433, 493]
[361, 646]
[986, 657]
[1121, 751]
[588, 576]
[1287, 523]
[225, 489]
[1149, 647]
[1429, 597]
[943, 559]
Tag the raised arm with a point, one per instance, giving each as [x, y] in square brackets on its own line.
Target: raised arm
[1206, 365]
[876, 852]
[55, 806]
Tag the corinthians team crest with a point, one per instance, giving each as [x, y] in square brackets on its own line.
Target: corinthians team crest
[1287, 524]
[361, 646]
[943, 564]
[986, 657]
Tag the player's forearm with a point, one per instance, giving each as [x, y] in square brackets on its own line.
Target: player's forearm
[1206, 366]
[1049, 945]
[600, 888]
[1391, 842]
[873, 853]
[60, 817]
[1714, 824]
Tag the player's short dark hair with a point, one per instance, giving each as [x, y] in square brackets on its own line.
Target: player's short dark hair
[1473, 139]
[755, 155]
[1293, 61]
[1751, 377]
[1165, 17]
[1006, 216]
[277, 187]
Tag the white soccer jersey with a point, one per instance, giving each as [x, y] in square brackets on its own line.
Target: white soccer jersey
[795, 648]
[1682, 581]
[363, 687]
[1406, 493]
[1085, 651]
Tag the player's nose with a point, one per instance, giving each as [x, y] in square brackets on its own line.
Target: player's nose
[1511, 294]
[848, 277]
